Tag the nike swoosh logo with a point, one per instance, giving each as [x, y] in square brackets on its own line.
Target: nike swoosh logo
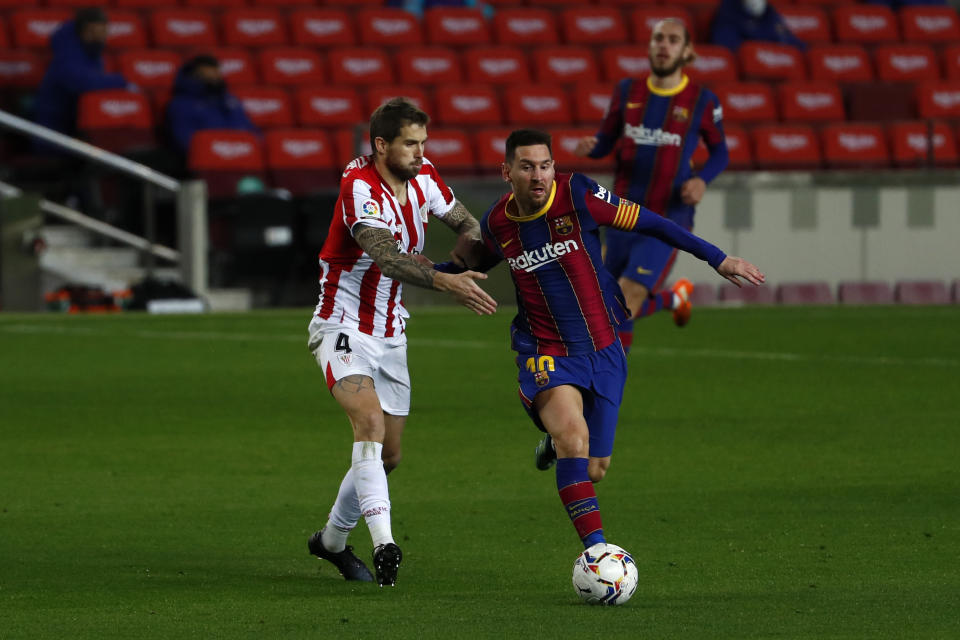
[634, 105]
[644, 272]
[504, 244]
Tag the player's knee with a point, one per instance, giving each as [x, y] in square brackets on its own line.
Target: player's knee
[597, 468]
[572, 443]
[391, 460]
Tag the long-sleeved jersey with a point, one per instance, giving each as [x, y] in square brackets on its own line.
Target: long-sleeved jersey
[568, 303]
[655, 133]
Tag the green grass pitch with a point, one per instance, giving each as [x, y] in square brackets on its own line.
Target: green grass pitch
[778, 473]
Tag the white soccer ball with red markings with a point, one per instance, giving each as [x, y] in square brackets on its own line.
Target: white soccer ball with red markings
[605, 574]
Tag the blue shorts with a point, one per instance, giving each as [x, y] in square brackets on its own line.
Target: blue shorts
[600, 376]
[639, 257]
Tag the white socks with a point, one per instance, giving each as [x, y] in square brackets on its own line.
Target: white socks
[363, 491]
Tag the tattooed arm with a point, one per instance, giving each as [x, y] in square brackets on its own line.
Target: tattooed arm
[380, 245]
[462, 222]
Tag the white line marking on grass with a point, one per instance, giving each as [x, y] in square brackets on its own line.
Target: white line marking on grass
[728, 354]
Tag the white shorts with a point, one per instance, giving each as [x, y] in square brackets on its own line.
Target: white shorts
[341, 352]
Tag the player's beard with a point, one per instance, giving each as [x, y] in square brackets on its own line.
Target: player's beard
[404, 172]
[668, 70]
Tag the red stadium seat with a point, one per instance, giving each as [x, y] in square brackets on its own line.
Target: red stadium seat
[359, 66]
[31, 28]
[809, 23]
[939, 99]
[565, 141]
[810, 102]
[785, 147]
[149, 68]
[590, 102]
[282, 4]
[865, 24]
[322, 28]
[906, 63]
[738, 147]
[141, 4]
[921, 292]
[450, 150]
[643, 21]
[801, 293]
[222, 157]
[770, 61]
[951, 62]
[254, 27]
[300, 160]
[863, 293]
[455, 26]
[747, 102]
[839, 63]
[351, 143]
[537, 105]
[624, 60]
[376, 96]
[855, 145]
[730, 293]
[910, 143]
[516, 27]
[329, 107]
[291, 66]
[20, 69]
[467, 105]
[593, 25]
[388, 27]
[216, 4]
[879, 102]
[490, 145]
[4, 40]
[266, 106]
[930, 24]
[236, 65]
[116, 120]
[125, 29]
[714, 65]
[183, 28]
[428, 65]
[564, 65]
[496, 65]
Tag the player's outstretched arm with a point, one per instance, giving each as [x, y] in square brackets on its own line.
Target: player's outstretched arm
[584, 146]
[732, 268]
[380, 245]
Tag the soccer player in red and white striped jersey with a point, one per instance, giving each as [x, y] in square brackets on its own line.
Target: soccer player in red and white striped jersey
[357, 331]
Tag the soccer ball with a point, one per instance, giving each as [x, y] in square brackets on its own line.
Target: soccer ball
[605, 574]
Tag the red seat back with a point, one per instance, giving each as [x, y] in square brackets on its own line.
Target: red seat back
[388, 27]
[496, 65]
[855, 145]
[809, 23]
[747, 102]
[939, 99]
[951, 62]
[537, 105]
[642, 21]
[359, 66]
[865, 24]
[22, 68]
[428, 65]
[322, 28]
[254, 27]
[236, 65]
[930, 24]
[810, 102]
[714, 65]
[515, 26]
[329, 107]
[266, 106]
[291, 66]
[738, 148]
[113, 109]
[467, 105]
[593, 25]
[921, 292]
[300, 160]
[785, 147]
[624, 60]
[183, 28]
[865, 293]
[590, 102]
[906, 63]
[149, 68]
[491, 145]
[455, 26]
[565, 141]
[221, 157]
[770, 61]
[450, 150]
[800, 293]
[31, 28]
[565, 65]
[125, 29]
[920, 144]
[839, 63]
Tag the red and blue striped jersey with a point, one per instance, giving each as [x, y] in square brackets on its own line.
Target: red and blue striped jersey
[567, 302]
[654, 133]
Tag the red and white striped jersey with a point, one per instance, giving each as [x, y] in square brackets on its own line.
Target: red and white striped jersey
[353, 291]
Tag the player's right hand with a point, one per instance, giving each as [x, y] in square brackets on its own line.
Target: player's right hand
[467, 292]
[733, 267]
[585, 145]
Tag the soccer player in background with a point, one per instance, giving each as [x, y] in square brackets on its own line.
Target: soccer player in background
[572, 368]
[357, 330]
[655, 124]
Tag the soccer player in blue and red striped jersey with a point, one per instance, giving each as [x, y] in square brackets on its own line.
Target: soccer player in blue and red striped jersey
[655, 124]
[571, 365]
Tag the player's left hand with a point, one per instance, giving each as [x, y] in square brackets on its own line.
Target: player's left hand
[733, 268]
[691, 191]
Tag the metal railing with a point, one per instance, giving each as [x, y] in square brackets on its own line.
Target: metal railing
[190, 199]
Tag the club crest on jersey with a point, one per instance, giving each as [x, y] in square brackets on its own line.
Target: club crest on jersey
[563, 225]
[370, 209]
[681, 114]
[345, 358]
[542, 378]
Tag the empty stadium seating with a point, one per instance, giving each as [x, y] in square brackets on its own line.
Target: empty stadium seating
[117, 120]
[910, 144]
[223, 157]
[921, 292]
[863, 293]
[800, 293]
[266, 106]
[731, 294]
[300, 160]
